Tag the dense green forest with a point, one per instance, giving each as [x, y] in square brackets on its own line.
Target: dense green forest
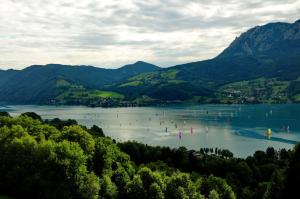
[61, 159]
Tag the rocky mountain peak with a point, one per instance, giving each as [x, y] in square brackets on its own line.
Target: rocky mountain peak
[263, 39]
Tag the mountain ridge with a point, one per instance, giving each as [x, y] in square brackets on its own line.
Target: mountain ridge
[260, 39]
[37, 83]
[264, 53]
[274, 54]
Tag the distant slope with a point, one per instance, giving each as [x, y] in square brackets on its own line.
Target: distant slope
[38, 84]
[272, 39]
[270, 51]
[5, 75]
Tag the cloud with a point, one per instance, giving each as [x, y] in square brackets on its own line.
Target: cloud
[117, 32]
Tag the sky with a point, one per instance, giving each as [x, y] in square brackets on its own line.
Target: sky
[112, 33]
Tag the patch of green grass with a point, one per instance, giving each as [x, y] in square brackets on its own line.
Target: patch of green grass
[154, 79]
[72, 92]
[170, 74]
[62, 83]
[133, 84]
[108, 94]
[143, 76]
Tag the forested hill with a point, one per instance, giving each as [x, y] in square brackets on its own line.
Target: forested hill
[42, 83]
[61, 159]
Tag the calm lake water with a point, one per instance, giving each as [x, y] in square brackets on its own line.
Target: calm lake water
[239, 128]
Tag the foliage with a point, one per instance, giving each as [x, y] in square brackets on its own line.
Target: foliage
[60, 159]
[248, 178]
[4, 114]
[32, 115]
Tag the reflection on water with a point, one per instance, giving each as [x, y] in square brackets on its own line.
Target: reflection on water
[239, 128]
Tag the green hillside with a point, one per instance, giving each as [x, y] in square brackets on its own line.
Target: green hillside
[71, 94]
[259, 90]
[44, 84]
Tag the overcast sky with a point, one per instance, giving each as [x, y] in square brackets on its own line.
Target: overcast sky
[112, 33]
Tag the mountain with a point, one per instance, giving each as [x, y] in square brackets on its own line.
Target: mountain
[271, 39]
[136, 68]
[271, 50]
[6, 74]
[39, 84]
[268, 54]
[262, 65]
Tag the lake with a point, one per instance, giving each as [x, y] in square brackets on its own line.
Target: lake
[239, 128]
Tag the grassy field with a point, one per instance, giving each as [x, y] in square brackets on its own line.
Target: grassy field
[74, 92]
[108, 94]
[152, 79]
[133, 84]
[62, 83]
[144, 76]
[170, 74]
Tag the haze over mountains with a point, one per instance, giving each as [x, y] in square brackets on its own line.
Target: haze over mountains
[262, 65]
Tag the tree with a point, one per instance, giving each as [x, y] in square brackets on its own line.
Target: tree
[120, 178]
[226, 153]
[179, 185]
[32, 115]
[4, 114]
[180, 193]
[108, 157]
[219, 185]
[108, 190]
[275, 187]
[244, 173]
[76, 134]
[96, 131]
[39, 159]
[148, 177]
[260, 156]
[60, 124]
[44, 131]
[39, 168]
[271, 153]
[135, 188]
[155, 192]
[284, 154]
[293, 175]
[213, 194]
